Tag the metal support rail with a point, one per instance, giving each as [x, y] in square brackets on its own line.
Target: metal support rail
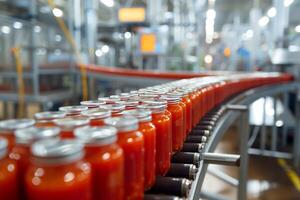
[225, 121]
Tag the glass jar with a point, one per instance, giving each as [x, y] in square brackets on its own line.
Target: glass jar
[163, 126]
[73, 111]
[7, 128]
[186, 100]
[177, 122]
[58, 172]
[46, 119]
[96, 116]
[193, 98]
[184, 110]
[107, 161]
[92, 103]
[116, 109]
[132, 143]
[147, 128]
[21, 151]
[68, 125]
[8, 174]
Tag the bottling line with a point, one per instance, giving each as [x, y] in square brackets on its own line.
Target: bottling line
[151, 143]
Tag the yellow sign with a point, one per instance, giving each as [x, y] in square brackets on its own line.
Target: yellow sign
[129, 15]
[147, 43]
[227, 52]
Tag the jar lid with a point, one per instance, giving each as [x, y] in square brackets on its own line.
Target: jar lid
[92, 103]
[71, 122]
[49, 115]
[127, 96]
[96, 113]
[32, 134]
[56, 151]
[108, 100]
[176, 94]
[3, 147]
[143, 115]
[114, 97]
[96, 135]
[154, 108]
[134, 92]
[73, 109]
[130, 103]
[117, 107]
[156, 102]
[126, 123]
[171, 99]
[145, 95]
[13, 124]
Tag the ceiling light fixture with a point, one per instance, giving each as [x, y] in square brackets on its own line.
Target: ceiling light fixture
[263, 21]
[57, 12]
[108, 3]
[272, 12]
[287, 3]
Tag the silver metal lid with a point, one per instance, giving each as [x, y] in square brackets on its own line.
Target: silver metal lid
[127, 96]
[109, 100]
[96, 113]
[72, 122]
[114, 97]
[73, 109]
[113, 107]
[92, 103]
[32, 134]
[126, 123]
[156, 102]
[145, 95]
[96, 135]
[49, 115]
[130, 103]
[171, 99]
[143, 115]
[56, 151]
[3, 147]
[13, 124]
[176, 94]
[153, 108]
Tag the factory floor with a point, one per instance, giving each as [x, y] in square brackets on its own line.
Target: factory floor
[268, 178]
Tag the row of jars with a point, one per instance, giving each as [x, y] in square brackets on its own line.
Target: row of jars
[111, 148]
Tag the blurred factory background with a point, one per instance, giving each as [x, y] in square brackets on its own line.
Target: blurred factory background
[43, 42]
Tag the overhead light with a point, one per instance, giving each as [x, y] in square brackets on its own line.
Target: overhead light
[108, 3]
[98, 53]
[57, 38]
[211, 13]
[37, 29]
[297, 29]
[208, 59]
[17, 25]
[263, 21]
[5, 29]
[105, 48]
[249, 33]
[57, 12]
[272, 12]
[127, 35]
[287, 3]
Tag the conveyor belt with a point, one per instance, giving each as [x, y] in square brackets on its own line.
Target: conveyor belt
[187, 181]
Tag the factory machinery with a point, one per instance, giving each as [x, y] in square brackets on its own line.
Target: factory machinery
[208, 106]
